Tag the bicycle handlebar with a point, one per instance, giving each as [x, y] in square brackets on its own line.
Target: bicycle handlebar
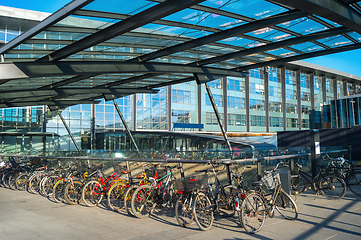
[273, 170]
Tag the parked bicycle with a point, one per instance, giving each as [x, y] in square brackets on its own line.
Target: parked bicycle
[220, 200]
[256, 205]
[327, 182]
[146, 197]
[348, 171]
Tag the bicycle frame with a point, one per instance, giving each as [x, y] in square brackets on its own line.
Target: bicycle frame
[157, 183]
[310, 180]
[101, 181]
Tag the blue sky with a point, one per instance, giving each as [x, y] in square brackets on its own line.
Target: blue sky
[348, 62]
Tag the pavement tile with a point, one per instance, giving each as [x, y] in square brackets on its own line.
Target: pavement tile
[31, 216]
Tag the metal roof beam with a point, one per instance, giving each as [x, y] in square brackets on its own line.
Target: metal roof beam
[350, 1]
[9, 95]
[333, 10]
[47, 22]
[147, 16]
[60, 103]
[300, 57]
[18, 70]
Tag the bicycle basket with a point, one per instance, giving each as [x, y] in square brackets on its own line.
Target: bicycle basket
[270, 180]
[191, 183]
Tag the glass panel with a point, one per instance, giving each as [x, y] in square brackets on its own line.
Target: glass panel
[120, 6]
[206, 19]
[355, 36]
[329, 22]
[257, 9]
[303, 26]
[335, 41]
[282, 52]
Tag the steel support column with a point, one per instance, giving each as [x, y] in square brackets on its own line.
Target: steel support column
[344, 86]
[225, 103]
[68, 130]
[283, 89]
[299, 104]
[312, 98]
[134, 107]
[246, 86]
[169, 107]
[44, 127]
[324, 91]
[334, 84]
[266, 97]
[126, 126]
[199, 102]
[92, 128]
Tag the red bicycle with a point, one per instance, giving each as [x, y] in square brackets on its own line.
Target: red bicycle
[93, 191]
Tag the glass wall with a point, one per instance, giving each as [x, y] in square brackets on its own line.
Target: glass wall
[291, 101]
[184, 103]
[305, 100]
[208, 115]
[329, 90]
[318, 100]
[152, 110]
[257, 114]
[236, 105]
[275, 100]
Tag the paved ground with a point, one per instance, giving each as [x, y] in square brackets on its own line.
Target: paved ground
[28, 216]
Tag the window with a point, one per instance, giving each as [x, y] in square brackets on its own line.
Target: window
[217, 99]
[235, 102]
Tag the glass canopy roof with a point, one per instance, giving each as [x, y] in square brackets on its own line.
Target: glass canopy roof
[116, 48]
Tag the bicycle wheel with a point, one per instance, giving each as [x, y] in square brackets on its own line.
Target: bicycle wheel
[73, 191]
[22, 182]
[48, 185]
[128, 199]
[183, 209]
[354, 182]
[298, 185]
[226, 199]
[116, 196]
[202, 211]
[332, 187]
[286, 206]
[5, 179]
[41, 185]
[142, 201]
[92, 193]
[34, 184]
[12, 181]
[253, 213]
[58, 191]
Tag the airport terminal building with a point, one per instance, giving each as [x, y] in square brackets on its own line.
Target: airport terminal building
[287, 96]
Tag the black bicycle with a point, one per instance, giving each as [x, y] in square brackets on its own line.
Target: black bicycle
[206, 203]
[348, 171]
[327, 182]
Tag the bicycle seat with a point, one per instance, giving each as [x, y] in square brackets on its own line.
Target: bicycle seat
[125, 172]
[140, 176]
[257, 184]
